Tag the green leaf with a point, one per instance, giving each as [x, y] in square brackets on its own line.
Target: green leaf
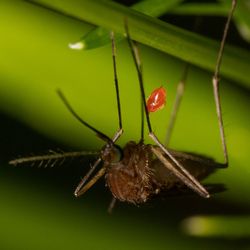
[101, 36]
[182, 44]
[242, 19]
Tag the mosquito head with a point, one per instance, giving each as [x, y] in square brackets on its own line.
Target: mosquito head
[111, 154]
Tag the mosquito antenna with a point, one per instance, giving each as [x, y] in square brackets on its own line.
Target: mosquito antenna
[216, 81]
[116, 79]
[72, 111]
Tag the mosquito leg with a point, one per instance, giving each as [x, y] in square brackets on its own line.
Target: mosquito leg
[118, 133]
[89, 184]
[112, 205]
[92, 169]
[179, 168]
[178, 99]
[216, 80]
[116, 80]
[186, 179]
[138, 64]
[86, 177]
[180, 91]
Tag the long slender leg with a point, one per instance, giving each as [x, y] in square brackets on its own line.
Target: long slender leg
[169, 165]
[81, 186]
[139, 69]
[89, 184]
[99, 134]
[216, 80]
[178, 99]
[116, 80]
[86, 177]
[180, 91]
[182, 172]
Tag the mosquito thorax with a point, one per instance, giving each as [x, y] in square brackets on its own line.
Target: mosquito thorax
[131, 179]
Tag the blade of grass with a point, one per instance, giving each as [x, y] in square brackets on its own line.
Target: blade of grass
[100, 36]
[182, 44]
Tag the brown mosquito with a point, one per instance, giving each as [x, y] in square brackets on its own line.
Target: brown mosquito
[139, 171]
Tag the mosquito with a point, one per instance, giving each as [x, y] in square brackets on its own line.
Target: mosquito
[140, 171]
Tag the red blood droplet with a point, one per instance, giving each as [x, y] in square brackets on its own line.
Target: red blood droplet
[156, 100]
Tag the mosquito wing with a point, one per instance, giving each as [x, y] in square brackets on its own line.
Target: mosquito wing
[198, 166]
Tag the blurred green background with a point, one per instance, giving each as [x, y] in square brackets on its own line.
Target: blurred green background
[37, 207]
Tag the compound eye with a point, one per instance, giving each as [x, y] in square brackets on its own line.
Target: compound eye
[117, 154]
[111, 154]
